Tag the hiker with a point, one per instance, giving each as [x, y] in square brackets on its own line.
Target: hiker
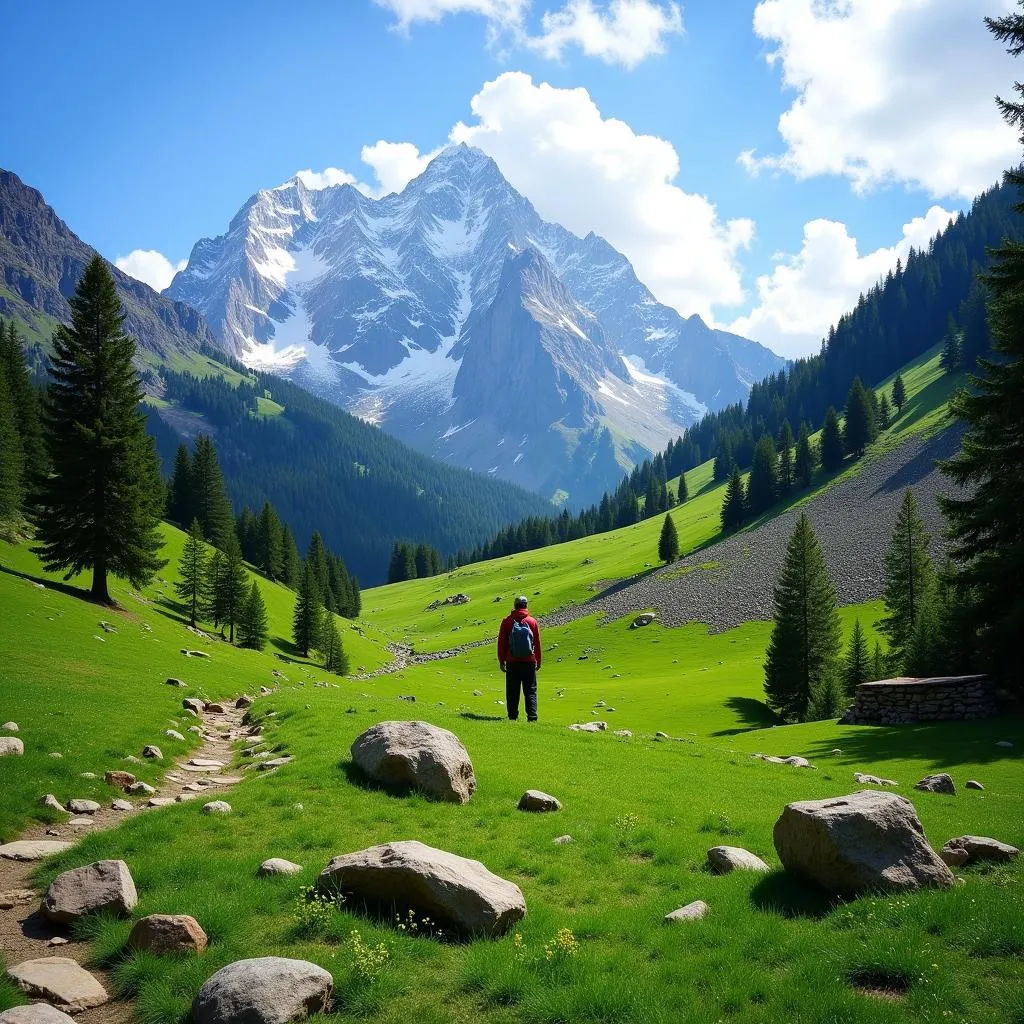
[519, 659]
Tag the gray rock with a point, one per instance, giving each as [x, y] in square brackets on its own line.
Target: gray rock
[624, 733]
[105, 885]
[868, 841]
[122, 805]
[691, 912]
[32, 849]
[644, 619]
[872, 780]
[167, 934]
[453, 891]
[278, 866]
[177, 682]
[155, 752]
[34, 1013]
[10, 726]
[217, 807]
[589, 727]
[11, 746]
[193, 704]
[971, 849]
[52, 802]
[120, 779]
[141, 788]
[266, 990]
[83, 806]
[973, 784]
[416, 754]
[59, 981]
[277, 762]
[173, 734]
[941, 783]
[561, 840]
[245, 701]
[81, 822]
[726, 859]
[216, 708]
[160, 801]
[535, 800]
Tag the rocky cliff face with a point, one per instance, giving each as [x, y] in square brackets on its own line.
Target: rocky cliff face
[41, 260]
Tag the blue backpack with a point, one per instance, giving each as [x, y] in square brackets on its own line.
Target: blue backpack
[520, 640]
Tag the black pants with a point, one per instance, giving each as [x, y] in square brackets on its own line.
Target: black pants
[521, 674]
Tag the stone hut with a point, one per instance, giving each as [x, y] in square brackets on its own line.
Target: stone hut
[907, 700]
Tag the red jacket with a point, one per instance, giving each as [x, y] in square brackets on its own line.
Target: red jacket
[506, 627]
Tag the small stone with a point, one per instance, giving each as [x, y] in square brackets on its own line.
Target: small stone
[81, 822]
[725, 859]
[561, 840]
[122, 805]
[173, 734]
[691, 912]
[973, 784]
[52, 802]
[217, 807]
[278, 866]
[971, 849]
[141, 789]
[167, 934]
[214, 708]
[535, 800]
[58, 940]
[196, 729]
[265, 766]
[83, 806]
[204, 762]
[193, 704]
[10, 726]
[32, 849]
[11, 746]
[245, 701]
[87, 775]
[154, 752]
[1006, 744]
[941, 783]
[837, 752]
[624, 733]
[120, 780]
[35, 1013]
[589, 727]
[56, 755]
[59, 981]
[177, 682]
[160, 801]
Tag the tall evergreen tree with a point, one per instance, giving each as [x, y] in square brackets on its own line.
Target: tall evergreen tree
[785, 458]
[803, 652]
[422, 561]
[683, 494]
[986, 524]
[248, 535]
[25, 403]
[723, 461]
[859, 428]
[899, 393]
[734, 507]
[212, 507]
[878, 670]
[214, 589]
[763, 483]
[271, 547]
[252, 626]
[857, 669]
[234, 585]
[180, 495]
[668, 542]
[951, 347]
[11, 457]
[192, 569]
[335, 659]
[308, 617]
[100, 506]
[290, 561]
[884, 412]
[803, 464]
[909, 579]
[831, 442]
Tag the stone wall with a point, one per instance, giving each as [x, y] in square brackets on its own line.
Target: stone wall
[905, 701]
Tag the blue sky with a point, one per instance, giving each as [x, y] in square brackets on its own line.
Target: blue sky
[146, 126]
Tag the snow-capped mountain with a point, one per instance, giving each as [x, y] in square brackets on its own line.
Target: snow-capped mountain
[459, 320]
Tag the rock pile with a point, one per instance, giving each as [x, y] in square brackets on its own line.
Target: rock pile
[905, 701]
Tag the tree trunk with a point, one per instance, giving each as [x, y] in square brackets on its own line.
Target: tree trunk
[99, 592]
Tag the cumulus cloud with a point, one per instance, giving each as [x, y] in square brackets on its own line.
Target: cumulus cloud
[394, 164]
[500, 14]
[149, 266]
[626, 33]
[595, 173]
[890, 91]
[807, 293]
[327, 178]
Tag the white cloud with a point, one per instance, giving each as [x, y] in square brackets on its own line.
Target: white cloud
[807, 293]
[891, 91]
[327, 178]
[149, 266]
[627, 33]
[395, 164]
[500, 14]
[592, 173]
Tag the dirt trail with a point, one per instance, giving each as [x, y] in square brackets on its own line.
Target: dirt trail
[26, 935]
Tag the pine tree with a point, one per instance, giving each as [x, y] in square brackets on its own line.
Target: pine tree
[181, 499]
[214, 589]
[683, 494]
[335, 659]
[422, 557]
[235, 583]
[857, 669]
[668, 542]
[878, 663]
[785, 458]
[248, 535]
[308, 616]
[803, 465]
[193, 571]
[25, 403]
[734, 507]
[831, 442]
[951, 347]
[290, 561]
[909, 579]
[316, 557]
[859, 429]
[762, 486]
[723, 461]
[269, 543]
[99, 507]
[884, 412]
[11, 457]
[211, 503]
[252, 626]
[803, 653]
[827, 700]
[899, 393]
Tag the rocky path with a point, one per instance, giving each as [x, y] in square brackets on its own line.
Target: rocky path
[26, 935]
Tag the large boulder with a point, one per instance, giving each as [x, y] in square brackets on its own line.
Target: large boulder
[164, 934]
[59, 981]
[416, 754]
[106, 885]
[453, 891]
[266, 990]
[868, 841]
[971, 849]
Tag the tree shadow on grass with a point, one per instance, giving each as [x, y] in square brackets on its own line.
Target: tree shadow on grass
[61, 588]
[474, 717]
[790, 896]
[753, 713]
